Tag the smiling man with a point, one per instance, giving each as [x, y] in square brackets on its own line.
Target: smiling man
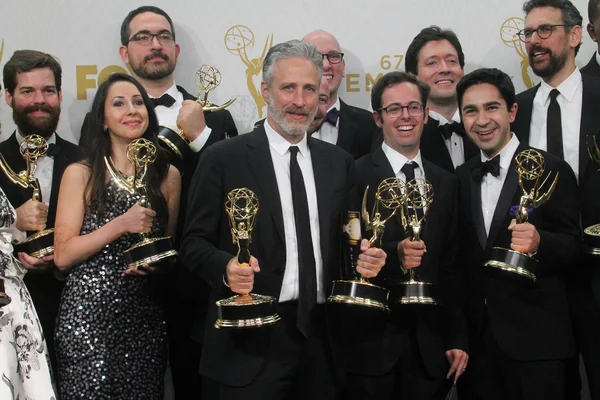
[436, 58]
[349, 127]
[520, 333]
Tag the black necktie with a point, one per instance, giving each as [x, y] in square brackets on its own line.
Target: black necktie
[332, 116]
[447, 129]
[409, 172]
[307, 269]
[164, 100]
[489, 167]
[554, 138]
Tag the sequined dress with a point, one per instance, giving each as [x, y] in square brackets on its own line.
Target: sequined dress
[111, 334]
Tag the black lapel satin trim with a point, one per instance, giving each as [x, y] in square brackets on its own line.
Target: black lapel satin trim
[522, 125]
[261, 164]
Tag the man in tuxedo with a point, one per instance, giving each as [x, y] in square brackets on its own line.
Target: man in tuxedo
[558, 115]
[436, 58]
[302, 185]
[348, 127]
[33, 90]
[520, 330]
[422, 346]
[593, 28]
[149, 47]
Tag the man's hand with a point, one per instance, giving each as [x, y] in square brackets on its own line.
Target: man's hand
[191, 119]
[142, 270]
[458, 361]
[525, 238]
[32, 263]
[411, 253]
[240, 278]
[370, 261]
[31, 216]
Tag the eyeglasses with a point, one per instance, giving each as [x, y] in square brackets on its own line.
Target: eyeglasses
[543, 31]
[144, 39]
[395, 110]
[334, 57]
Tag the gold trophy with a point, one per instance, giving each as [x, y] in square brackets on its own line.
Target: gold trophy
[141, 152]
[360, 291]
[248, 310]
[41, 243]
[207, 80]
[418, 199]
[530, 166]
[591, 234]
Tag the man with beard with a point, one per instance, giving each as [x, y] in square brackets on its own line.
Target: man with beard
[436, 58]
[348, 127]
[33, 90]
[557, 116]
[302, 185]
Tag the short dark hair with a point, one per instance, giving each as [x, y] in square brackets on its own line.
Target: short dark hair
[492, 76]
[27, 60]
[431, 34]
[126, 29]
[593, 6]
[571, 15]
[393, 78]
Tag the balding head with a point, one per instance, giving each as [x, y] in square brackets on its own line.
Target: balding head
[326, 43]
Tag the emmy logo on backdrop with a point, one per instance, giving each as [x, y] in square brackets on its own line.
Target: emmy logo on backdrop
[248, 310]
[359, 291]
[208, 78]
[530, 165]
[141, 153]
[238, 40]
[32, 148]
[508, 34]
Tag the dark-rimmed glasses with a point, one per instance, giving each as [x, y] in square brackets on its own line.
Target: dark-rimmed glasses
[543, 31]
[334, 57]
[395, 110]
[144, 38]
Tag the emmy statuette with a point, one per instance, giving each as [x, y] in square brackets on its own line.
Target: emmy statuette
[207, 80]
[141, 152]
[249, 310]
[591, 234]
[530, 166]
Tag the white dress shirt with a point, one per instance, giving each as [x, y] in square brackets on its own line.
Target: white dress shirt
[167, 116]
[327, 132]
[491, 185]
[570, 100]
[454, 144]
[397, 161]
[45, 170]
[280, 155]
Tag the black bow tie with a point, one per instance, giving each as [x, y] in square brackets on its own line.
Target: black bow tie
[492, 167]
[53, 150]
[447, 129]
[164, 100]
[332, 116]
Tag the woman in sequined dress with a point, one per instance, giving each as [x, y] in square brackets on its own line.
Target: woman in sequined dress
[24, 363]
[111, 334]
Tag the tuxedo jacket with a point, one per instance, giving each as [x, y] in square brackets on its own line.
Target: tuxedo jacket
[529, 320]
[437, 328]
[592, 68]
[234, 357]
[357, 131]
[433, 147]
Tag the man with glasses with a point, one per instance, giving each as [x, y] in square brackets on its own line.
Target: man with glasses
[593, 28]
[349, 127]
[422, 351]
[557, 116]
[149, 47]
[436, 58]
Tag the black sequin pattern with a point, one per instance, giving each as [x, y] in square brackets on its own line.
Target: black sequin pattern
[111, 334]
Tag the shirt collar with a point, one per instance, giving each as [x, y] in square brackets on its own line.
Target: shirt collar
[598, 58]
[398, 160]
[506, 154]
[567, 88]
[172, 91]
[281, 145]
[442, 120]
[335, 105]
[20, 138]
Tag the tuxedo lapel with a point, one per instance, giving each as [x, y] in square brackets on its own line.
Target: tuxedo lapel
[260, 162]
[476, 211]
[62, 160]
[433, 147]
[471, 149]
[511, 184]
[522, 123]
[590, 111]
[346, 127]
[434, 180]
[383, 168]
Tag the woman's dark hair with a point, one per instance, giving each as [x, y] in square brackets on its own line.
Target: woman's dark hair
[100, 146]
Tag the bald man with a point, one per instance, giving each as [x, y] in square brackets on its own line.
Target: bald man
[348, 127]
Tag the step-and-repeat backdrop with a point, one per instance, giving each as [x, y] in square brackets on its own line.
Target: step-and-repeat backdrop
[233, 36]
